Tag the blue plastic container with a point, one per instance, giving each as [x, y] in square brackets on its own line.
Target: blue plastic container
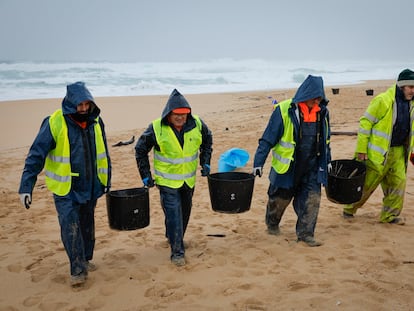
[232, 159]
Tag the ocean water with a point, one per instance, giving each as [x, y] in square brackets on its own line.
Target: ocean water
[28, 80]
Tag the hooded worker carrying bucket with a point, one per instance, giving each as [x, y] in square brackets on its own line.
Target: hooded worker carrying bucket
[345, 181]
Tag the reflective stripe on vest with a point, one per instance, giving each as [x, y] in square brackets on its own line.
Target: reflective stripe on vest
[57, 166]
[101, 155]
[282, 152]
[174, 165]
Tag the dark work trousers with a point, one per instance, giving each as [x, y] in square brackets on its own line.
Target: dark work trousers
[77, 230]
[306, 192]
[176, 204]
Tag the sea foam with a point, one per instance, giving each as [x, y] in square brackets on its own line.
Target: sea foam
[28, 80]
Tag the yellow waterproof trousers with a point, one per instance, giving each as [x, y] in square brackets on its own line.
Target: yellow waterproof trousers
[392, 178]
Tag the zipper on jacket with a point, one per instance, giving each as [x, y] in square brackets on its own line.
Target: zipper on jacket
[87, 152]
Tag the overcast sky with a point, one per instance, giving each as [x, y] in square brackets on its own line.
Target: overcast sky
[191, 30]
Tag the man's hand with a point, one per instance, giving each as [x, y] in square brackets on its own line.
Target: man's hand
[362, 156]
[258, 171]
[205, 171]
[26, 199]
[329, 168]
[148, 182]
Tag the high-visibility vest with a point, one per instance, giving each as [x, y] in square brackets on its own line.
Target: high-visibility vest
[57, 166]
[173, 164]
[376, 126]
[282, 152]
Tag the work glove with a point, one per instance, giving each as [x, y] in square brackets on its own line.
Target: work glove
[329, 168]
[26, 199]
[148, 182]
[412, 158]
[258, 171]
[205, 171]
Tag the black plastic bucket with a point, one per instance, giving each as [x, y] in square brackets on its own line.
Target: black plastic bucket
[231, 192]
[345, 181]
[128, 209]
[369, 92]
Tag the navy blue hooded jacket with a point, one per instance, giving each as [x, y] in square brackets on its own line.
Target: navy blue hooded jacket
[148, 140]
[82, 149]
[311, 88]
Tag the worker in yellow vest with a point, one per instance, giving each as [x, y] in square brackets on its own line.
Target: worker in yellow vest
[180, 140]
[385, 143]
[298, 136]
[71, 146]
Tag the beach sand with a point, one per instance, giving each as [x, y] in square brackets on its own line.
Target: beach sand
[363, 265]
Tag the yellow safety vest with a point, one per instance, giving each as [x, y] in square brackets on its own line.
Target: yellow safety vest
[173, 164]
[282, 152]
[376, 125]
[57, 166]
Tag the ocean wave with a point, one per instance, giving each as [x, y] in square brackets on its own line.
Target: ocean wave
[26, 80]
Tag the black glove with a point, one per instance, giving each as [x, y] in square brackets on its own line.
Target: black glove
[205, 171]
[148, 182]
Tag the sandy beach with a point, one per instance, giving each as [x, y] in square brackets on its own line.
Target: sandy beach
[363, 265]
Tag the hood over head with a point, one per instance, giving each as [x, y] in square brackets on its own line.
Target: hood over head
[176, 100]
[75, 94]
[311, 88]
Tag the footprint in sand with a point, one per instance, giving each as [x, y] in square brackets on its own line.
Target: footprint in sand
[172, 291]
[59, 279]
[46, 306]
[96, 303]
[16, 268]
[162, 291]
[40, 274]
[37, 271]
[251, 304]
[32, 301]
[141, 275]
[106, 291]
[294, 286]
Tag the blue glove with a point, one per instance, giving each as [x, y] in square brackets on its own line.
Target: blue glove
[205, 171]
[148, 182]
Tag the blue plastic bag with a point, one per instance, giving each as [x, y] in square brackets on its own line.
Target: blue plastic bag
[232, 159]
